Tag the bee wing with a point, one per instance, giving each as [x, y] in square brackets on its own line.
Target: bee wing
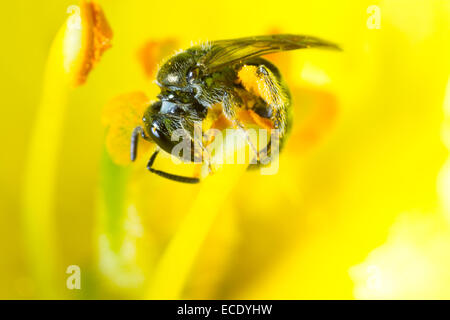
[228, 52]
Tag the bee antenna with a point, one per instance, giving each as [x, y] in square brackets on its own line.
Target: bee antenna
[134, 141]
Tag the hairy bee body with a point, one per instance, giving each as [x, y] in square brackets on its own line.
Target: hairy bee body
[226, 72]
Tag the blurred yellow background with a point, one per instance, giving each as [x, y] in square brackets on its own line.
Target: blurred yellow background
[359, 209]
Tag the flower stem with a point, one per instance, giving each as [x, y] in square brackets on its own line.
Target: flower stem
[173, 268]
[40, 175]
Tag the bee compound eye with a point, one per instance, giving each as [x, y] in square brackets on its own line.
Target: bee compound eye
[161, 136]
[155, 131]
[193, 74]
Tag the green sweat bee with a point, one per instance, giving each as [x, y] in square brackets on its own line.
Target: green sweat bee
[228, 73]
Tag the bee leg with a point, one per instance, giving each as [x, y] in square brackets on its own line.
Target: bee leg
[208, 138]
[241, 127]
[264, 153]
[206, 154]
[262, 82]
[200, 151]
[138, 131]
[169, 175]
[231, 102]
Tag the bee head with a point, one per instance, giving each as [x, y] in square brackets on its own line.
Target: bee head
[164, 120]
[159, 127]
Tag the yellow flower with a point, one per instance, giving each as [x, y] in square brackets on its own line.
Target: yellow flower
[121, 116]
[358, 209]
